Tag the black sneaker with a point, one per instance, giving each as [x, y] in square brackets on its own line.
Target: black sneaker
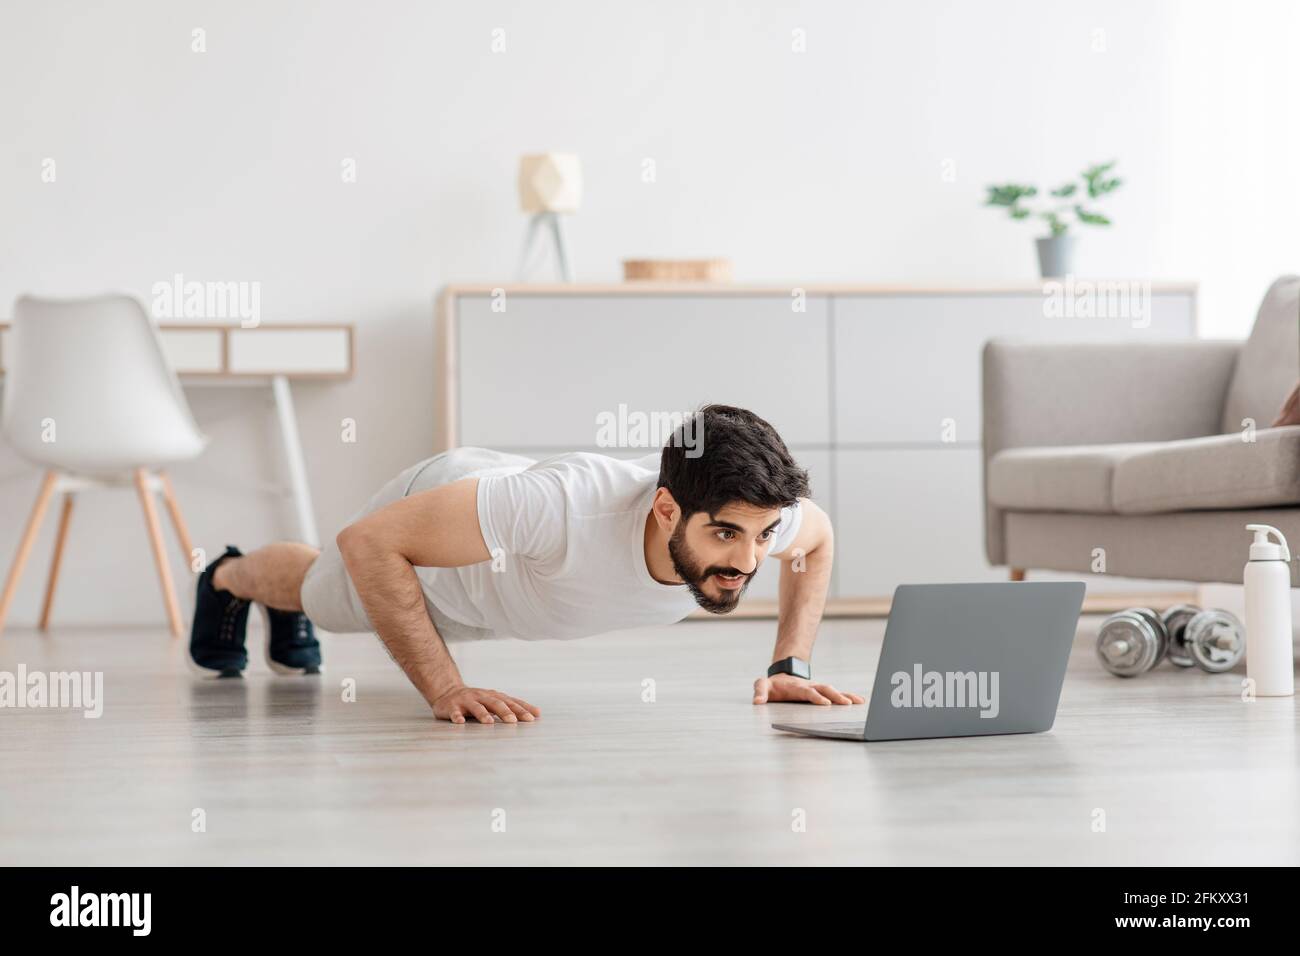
[291, 645]
[220, 623]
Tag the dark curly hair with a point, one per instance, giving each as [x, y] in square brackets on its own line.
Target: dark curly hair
[721, 455]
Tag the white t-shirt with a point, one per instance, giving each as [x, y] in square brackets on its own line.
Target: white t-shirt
[568, 538]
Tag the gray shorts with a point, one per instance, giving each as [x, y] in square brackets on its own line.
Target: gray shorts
[329, 598]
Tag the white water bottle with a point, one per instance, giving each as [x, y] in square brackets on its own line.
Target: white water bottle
[1270, 659]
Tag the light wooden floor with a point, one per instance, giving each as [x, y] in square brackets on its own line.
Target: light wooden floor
[287, 772]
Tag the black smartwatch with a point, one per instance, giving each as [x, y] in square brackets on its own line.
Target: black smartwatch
[793, 666]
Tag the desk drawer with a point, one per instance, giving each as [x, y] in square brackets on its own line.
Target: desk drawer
[292, 351]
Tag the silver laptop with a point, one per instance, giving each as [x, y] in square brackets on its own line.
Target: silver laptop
[965, 660]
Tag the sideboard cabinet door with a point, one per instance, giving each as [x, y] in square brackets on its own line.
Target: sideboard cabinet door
[540, 373]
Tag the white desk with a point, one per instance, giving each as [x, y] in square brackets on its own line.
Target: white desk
[265, 356]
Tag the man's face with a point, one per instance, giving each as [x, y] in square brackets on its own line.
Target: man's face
[717, 555]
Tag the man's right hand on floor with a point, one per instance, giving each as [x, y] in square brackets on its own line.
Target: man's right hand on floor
[462, 703]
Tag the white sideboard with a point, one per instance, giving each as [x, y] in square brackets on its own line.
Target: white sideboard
[875, 389]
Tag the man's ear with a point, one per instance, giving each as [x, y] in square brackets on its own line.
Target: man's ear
[665, 509]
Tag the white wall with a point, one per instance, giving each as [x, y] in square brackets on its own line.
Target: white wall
[824, 165]
[1234, 154]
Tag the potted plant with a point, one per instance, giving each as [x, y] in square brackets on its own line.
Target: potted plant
[1056, 250]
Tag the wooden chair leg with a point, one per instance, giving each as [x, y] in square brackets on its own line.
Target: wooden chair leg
[48, 484]
[178, 521]
[1017, 574]
[65, 516]
[159, 552]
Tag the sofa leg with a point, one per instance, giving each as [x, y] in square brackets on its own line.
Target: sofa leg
[1017, 574]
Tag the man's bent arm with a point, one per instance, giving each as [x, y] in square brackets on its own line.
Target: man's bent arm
[436, 528]
[805, 579]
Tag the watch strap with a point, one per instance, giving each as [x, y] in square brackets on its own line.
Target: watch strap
[794, 666]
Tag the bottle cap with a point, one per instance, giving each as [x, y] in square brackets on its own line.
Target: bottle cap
[1262, 549]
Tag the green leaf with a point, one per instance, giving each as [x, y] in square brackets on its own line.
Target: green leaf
[1008, 194]
[1093, 177]
[1066, 190]
[1091, 218]
[1097, 170]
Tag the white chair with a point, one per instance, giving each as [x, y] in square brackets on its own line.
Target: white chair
[89, 396]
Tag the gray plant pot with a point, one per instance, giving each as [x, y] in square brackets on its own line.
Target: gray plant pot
[1056, 256]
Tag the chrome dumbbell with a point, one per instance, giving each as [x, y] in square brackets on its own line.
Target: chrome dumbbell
[1212, 639]
[1132, 642]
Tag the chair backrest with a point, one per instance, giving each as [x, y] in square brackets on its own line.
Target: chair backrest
[1269, 364]
[88, 388]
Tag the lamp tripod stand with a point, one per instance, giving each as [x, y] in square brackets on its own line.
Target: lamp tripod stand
[537, 222]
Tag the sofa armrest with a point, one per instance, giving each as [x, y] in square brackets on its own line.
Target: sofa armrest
[1054, 394]
[1101, 393]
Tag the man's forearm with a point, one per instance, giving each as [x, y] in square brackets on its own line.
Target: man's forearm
[394, 601]
[802, 601]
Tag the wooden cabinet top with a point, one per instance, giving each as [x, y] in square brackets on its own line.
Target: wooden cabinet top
[1035, 287]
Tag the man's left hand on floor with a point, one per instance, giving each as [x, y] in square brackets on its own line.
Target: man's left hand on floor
[786, 688]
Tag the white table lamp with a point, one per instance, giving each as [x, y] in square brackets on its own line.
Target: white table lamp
[549, 184]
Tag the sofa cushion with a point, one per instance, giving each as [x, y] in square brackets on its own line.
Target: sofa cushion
[1269, 364]
[1221, 471]
[1075, 478]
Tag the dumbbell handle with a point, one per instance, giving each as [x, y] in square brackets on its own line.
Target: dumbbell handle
[1117, 648]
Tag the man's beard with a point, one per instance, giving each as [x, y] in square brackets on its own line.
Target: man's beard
[688, 569]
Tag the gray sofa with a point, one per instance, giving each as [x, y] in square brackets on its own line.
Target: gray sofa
[1142, 450]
